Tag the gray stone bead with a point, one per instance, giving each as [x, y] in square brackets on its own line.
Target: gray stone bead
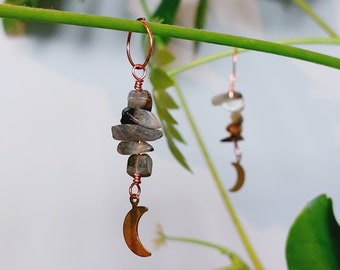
[133, 148]
[230, 101]
[140, 164]
[140, 117]
[140, 100]
[129, 132]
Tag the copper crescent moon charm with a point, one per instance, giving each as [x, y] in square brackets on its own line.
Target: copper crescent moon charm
[130, 230]
[240, 177]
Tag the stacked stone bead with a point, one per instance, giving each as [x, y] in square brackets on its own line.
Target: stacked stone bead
[234, 103]
[138, 125]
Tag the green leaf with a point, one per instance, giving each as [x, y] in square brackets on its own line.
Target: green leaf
[201, 14]
[28, 3]
[174, 150]
[14, 27]
[314, 239]
[200, 18]
[160, 79]
[175, 134]
[165, 115]
[166, 12]
[165, 100]
[236, 262]
[162, 57]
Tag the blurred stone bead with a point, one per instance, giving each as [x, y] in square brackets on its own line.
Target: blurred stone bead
[236, 117]
[232, 138]
[230, 101]
[235, 129]
[140, 100]
[133, 147]
[140, 117]
[129, 132]
[140, 164]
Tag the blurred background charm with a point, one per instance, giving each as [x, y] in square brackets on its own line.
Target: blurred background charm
[233, 102]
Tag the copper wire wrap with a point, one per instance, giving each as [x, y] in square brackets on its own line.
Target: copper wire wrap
[136, 183]
[233, 77]
[231, 91]
[238, 152]
[142, 67]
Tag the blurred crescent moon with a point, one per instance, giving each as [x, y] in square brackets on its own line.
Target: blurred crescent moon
[240, 177]
[130, 230]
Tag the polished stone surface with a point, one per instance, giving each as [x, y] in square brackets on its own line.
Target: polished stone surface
[133, 147]
[230, 101]
[140, 117]
[140, 100]
[140, 164]
[129, 132]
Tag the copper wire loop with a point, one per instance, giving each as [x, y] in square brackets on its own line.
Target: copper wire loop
[141, 66]
[135, 75]
[135, 195]
[136, 183]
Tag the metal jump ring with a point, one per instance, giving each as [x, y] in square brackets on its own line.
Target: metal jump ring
[135, 195]
[141, 66]
[138, 67]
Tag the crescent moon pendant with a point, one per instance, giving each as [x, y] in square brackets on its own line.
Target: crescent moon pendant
[240, 177]
[130, 231]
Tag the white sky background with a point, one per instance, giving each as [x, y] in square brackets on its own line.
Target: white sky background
[63, 186]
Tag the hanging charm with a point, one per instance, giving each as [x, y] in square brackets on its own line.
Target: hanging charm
[233, 102]
[138, 125]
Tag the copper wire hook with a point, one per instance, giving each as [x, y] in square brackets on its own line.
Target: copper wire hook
[148, 30]
[233, 75]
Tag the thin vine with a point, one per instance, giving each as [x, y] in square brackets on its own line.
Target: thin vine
[308, 10]
[171, 31]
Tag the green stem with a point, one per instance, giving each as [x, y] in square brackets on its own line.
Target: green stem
[308, 9]
[218, 182]
[221, 249]
[236, 261]
[213, 57]
[63, 17]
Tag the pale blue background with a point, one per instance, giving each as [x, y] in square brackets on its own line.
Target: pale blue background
[63, 187]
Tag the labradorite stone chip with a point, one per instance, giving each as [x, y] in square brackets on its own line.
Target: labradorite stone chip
[140, 164]
[140, 100]
[133, 147]
[130, 132]
[140, 117]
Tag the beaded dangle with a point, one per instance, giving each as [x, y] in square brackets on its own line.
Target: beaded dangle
[138, 125]
[233, 102]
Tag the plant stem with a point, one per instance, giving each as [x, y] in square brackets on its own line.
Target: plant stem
[171, 31]
[308, 10]
[218, 182]
[213, 57]
[221, 249]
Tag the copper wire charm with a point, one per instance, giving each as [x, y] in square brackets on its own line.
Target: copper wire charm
[138, 125]
[233, 102]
